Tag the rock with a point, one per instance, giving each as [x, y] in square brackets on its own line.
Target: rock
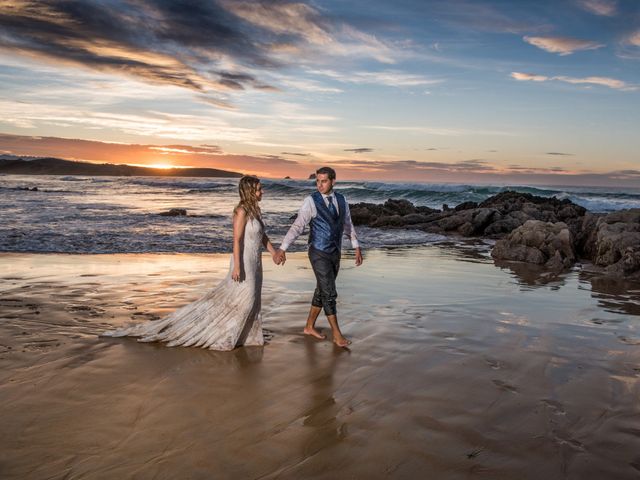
[545, 231]
[495, 217]
[287, 178]
[415, 218]
[365, 213]
[614, 242]
[388, 221]
[504, 225]
[174, 212]
[380, 216]
[454, 221]
[312, 176]
[482, 217]
[465, 206]
[399, 207]
[541, 243]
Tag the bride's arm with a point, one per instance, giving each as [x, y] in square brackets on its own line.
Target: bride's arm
[239, 223]
[267, 244]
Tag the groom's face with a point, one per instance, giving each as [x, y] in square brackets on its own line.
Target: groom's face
[324, 184]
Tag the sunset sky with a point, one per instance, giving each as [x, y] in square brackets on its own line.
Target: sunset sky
[529, 92]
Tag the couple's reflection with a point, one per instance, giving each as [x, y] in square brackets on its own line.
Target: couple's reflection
[321, 416]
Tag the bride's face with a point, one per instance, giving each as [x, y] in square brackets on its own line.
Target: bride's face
[259, 191]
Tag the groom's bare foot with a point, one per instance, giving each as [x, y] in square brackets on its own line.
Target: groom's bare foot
[341, 341]
[314, 333]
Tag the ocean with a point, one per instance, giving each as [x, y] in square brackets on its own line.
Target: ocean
[76, 214]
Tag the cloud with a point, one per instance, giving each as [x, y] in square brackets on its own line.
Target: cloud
[391, 78]
[634, 39]
[476, 16]
[599, 7]
[359, 150]
[213, 46]
[187, 150]
[560, 154]
[163, 42]
[529, 77]
[306, 85]
[296, 154]
[466, 166]
[602, 81]
[562, 45]
[454, 132]
[536, 170]
[626, 174]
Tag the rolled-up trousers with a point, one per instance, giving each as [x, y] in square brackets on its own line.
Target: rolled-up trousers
[325, 267]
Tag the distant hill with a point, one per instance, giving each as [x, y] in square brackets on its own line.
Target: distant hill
[58, 166]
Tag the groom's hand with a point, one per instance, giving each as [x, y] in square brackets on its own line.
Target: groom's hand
[280, 257]
[358, 257]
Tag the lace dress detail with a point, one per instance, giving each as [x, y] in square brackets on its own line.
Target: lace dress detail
[225, 317]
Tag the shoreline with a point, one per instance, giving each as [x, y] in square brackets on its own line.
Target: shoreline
[458, 368]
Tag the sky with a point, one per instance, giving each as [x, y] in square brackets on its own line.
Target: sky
[501, 92]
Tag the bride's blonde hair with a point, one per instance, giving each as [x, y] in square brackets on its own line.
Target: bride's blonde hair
[247, 189]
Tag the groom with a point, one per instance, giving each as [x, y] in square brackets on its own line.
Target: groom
[328, 214]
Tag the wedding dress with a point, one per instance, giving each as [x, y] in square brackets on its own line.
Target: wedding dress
[225, 317]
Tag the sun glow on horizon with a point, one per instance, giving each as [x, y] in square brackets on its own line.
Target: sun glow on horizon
[161, 166]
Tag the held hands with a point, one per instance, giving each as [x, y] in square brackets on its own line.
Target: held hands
[279, 257]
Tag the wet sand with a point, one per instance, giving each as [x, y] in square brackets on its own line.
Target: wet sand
[458, 369]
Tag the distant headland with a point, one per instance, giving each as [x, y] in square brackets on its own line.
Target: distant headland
[58, 166]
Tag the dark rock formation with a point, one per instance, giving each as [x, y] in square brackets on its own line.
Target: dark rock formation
[392, 213]
[495, 217]
[539, 230]
[542, 243]
[174, 212]
[613, 241]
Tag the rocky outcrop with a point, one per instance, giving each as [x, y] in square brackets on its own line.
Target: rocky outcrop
[543, 243]
[495, 217]
[613, 241]
[392, 213]
[544, 231]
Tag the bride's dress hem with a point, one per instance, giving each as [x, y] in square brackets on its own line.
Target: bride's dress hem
[224, 318]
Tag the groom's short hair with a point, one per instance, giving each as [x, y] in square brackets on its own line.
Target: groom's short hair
[327, 171]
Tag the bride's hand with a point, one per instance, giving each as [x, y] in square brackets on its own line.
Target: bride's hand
[235, 275]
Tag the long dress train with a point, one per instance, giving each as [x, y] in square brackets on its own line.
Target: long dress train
[225, 317]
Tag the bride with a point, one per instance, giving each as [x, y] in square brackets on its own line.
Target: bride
[228, 315]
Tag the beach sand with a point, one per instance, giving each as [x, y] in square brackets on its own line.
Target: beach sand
[458, 369]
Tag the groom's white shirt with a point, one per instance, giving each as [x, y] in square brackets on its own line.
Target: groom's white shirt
[308, 212]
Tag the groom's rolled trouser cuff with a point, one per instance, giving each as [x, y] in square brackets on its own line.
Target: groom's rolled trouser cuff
[325, 267]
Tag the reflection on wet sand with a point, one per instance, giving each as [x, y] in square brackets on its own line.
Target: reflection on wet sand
[458, 370]
[321, 415]
[613, 294]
